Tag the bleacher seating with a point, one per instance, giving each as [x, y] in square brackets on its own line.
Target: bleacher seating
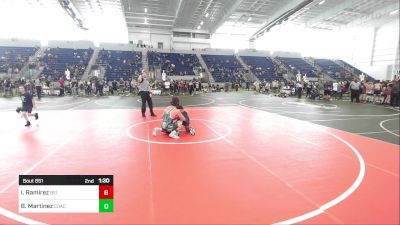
[223, 68]
[57, 60]
[120, 64]
[332, 69]
[14, 57]
[174, 63]
[262, 67]
[356, 71]
[298, 64]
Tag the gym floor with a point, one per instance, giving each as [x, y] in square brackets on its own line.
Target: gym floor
[255, 159]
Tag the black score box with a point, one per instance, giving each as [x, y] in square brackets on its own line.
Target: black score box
[66, 194]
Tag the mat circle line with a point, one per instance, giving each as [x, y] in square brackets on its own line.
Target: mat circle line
[313, 105]
[322, 114]
[387, 130]
[229, 131]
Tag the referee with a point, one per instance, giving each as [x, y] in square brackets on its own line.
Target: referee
[145, 94]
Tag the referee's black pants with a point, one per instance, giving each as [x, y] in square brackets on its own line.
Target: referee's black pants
[299, 92]
[355, 94]
[145, 96]
[394, 100]
[39, 92]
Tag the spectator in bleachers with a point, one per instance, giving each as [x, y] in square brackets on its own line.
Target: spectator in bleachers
[12, 59]
[120, 64]
[67, 74]
[174, 63]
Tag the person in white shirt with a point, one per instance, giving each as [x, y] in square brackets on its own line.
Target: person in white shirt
[334, 89]
[163, 76]
[257, 86]
[355, 90]
[67, 74]
[305, 78]
[167, 85]
[362, 77]
[38, 85]
[274, 86]
[298, 76]
[377, 91]
[267, 87]
[145, 94]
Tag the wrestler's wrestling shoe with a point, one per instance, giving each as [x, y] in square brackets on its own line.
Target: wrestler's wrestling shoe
[192, 131]
[156, 130]
[174, 135]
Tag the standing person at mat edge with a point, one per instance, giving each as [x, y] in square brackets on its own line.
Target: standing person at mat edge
[355, 87]
[27, 104]
[38, 85]
[145, 94]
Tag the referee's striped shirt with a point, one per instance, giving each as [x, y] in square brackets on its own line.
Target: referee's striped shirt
[144, 86]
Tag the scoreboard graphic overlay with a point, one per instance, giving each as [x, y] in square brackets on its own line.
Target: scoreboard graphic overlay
[66, 194]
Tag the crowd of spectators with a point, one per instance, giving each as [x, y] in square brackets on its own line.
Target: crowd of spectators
[120, 64]
[377, 92]
[224, 68]
[263, 67]
[174, 63]
[12, 59]
[181, 87]
[94, 87]
[56, 61]
[374, 92]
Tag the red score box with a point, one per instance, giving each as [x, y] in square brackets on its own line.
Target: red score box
[106, 192]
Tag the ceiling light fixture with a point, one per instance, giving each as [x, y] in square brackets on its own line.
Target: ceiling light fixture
[280, 18]
[322, 2]
[145, 20]
[249, 19]
[206, 15]
[198, 27]
[201, 23]
[145, 10]
[393, 12]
